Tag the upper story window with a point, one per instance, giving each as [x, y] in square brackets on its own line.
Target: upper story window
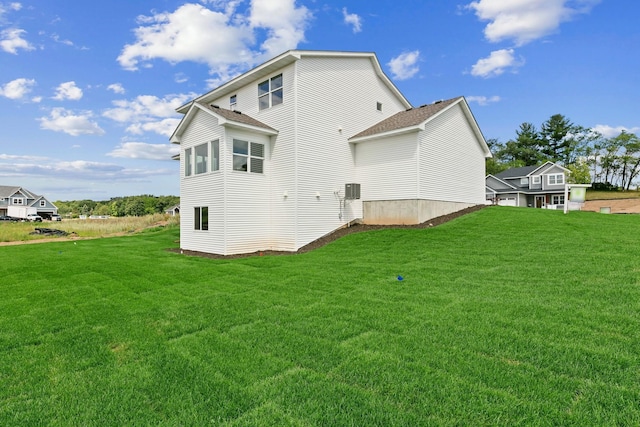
[555, 179]
[17, 201]
[187, 162]
[535, 179]
[202, 158]
[379, 106]
[233, 102]
[524, 181]
[43, 203]
[215, 155]
[270, 92]
[248, 156]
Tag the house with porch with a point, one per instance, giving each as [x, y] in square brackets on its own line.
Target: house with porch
[312, 141]
[540, 186]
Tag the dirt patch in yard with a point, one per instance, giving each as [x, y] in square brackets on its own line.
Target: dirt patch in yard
[619, 206]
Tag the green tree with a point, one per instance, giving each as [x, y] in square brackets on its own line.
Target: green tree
[525, 150]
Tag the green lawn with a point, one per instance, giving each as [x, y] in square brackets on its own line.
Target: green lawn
[506, 316]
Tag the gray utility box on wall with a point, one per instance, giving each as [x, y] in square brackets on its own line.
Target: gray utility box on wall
[351, 191]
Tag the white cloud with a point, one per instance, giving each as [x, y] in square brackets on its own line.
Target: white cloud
[613, 131]
[496, 63]
[62, 120]
[526, 20]
[18, 88]
[483, 100]
[148, 113]
[225, 39]
[164, 127]
[69, 91]
[141, 150]
[11, 40]
[57, 39]
[352, 19]
[116, 88]
[404, 65]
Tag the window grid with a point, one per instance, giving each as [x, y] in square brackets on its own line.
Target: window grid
[270, 92]
[248, 156]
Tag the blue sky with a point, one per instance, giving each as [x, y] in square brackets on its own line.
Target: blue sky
[88, 89]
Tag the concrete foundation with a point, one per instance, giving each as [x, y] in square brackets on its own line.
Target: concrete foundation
[407, 212]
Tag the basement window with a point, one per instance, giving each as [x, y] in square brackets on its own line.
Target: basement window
[201, 218]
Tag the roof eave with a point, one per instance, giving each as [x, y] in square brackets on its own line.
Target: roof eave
[391, 133]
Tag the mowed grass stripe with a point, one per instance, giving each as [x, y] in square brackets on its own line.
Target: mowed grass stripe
[505, 316]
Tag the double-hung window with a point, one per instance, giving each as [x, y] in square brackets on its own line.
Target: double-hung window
[187, 162]
[202, 158]
[201, 218]
[270, 92]
[248, 156]
[233, 102]
[555, 179]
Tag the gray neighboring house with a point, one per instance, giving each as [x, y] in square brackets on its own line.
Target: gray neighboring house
[20, 202]
[530, 186]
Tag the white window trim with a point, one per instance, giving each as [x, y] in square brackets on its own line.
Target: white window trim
[215, 155]
[269, 93]
[188, 161]
[559, 199]
[555, 175]
[204, 161]
[250, 156]
[17, 201]
[535, 179]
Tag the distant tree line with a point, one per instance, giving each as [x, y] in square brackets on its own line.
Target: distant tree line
[607, 163]
[118, 206]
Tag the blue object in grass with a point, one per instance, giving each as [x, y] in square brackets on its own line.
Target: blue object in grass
[400, 278]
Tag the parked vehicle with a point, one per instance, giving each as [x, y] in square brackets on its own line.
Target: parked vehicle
[34, 218]
[8, 218]
[56, 217]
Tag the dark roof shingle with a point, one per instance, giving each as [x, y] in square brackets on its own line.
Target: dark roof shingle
[407, 118]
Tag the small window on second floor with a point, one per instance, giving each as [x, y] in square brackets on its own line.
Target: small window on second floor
[17, 201]
[524, 181]
[270, 92]
[535, 179]
[379, 106]
[233, 102]
[43, 203]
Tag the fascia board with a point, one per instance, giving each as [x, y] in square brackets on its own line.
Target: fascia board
[387, 134]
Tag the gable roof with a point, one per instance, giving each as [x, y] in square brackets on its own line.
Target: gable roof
[8, 191]
[525, 170]
[414, 119]
[283, 60]
[225, 118]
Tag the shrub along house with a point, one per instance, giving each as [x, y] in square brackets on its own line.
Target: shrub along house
[312, 141]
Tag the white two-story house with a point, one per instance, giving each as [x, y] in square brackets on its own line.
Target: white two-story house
[18, 202]
[312, 141]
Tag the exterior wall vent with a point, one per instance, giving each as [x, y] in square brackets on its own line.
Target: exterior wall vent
[351, 191]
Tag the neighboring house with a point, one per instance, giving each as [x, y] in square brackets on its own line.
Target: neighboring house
[533, 186]
[20, 202]
[173, 210]
[312, 141]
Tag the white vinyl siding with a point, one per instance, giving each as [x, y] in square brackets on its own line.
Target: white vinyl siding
[451, 166]
[387, 168]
